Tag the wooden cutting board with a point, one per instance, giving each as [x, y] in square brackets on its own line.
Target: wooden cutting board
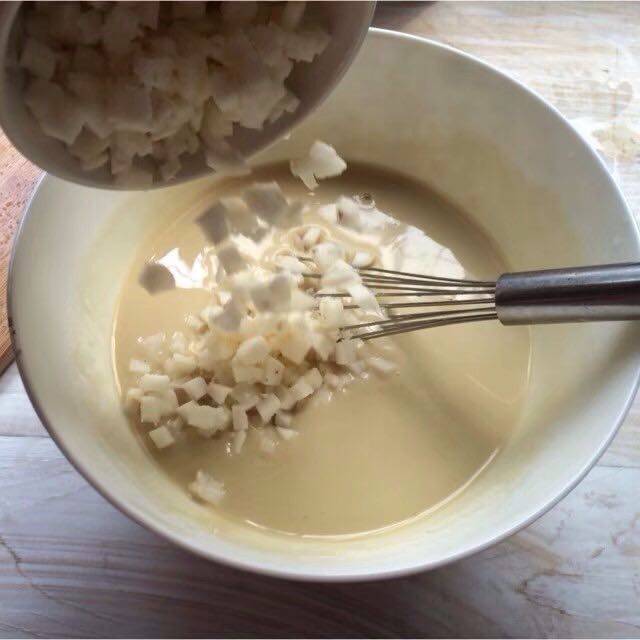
[17, 180]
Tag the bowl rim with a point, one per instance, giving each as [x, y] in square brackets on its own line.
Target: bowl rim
[307, 575]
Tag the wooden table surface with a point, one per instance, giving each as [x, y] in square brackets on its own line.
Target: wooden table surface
[72, 565]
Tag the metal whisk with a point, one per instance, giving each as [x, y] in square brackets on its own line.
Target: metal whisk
[581, 294]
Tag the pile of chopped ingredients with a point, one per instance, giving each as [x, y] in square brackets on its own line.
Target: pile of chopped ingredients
[139, 85]
[269, 340]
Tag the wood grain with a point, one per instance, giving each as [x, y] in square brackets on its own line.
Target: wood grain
[73, 566]
[17, 179]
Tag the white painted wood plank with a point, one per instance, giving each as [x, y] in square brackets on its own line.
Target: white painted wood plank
[17, 417]
[71, 565]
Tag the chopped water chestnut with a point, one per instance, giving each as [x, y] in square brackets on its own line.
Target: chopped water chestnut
[183, 75]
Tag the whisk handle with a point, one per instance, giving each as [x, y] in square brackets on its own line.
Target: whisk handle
[583, 294]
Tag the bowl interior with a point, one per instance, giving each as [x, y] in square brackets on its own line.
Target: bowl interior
[486, 143]
[311, 82]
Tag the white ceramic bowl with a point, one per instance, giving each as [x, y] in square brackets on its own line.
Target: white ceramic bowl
[312, 83]
[487, 143]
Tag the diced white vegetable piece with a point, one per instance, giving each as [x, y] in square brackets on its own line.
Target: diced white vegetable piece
[239, 418]
[301, 390]
[313, 378]
[332, 311]
[57, 112]
[196, 388]
[303, 169]
[195, 323]
[150, 409]
[155, 382]
[221, 347]
[266, 200]
[215, 124]
[274, 296]
[239, 218]
[280, 291]
[287, 399]
[184, 410]
[382, 365]
[329, 213]
[306, 44]
[129, 107]
[230, 259]
[238, 14]
[292, 216]
[133, 398]
[156, 278]
[119, 30]
[326, 254]
[139, 366]
[180, 365]
[286, 434]
[208, 420]
[134, 178]
[362, 259]
[290, 376]
[214, 223]
[347, 351]
[350, 213]
[322, 344]
[246, 373]
[261, 297]
[301, 301]
[295, 345]
[88, 145]
[272, 372]
[205, 486]
[340, 274]
[268, 406]
[169, 401]
[223, 158]
[155, 72]
[321, 162]
[326, 161]
[230, 317]
[364, 298]
[323, 395]
[238, 441]
[334, 381]
[38, 59]
[89, 26]
[153, 347]
[90, 164]
[283, 419]
[267, 442]
[289, 102]
[218, 392]
[292, 13]
[209, 313]
[252, 351]
[311, 237]
[175, 426]
[162, 437]
[290, 264]
[358, 367]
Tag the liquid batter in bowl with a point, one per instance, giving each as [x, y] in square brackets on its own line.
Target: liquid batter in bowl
[384, 449]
